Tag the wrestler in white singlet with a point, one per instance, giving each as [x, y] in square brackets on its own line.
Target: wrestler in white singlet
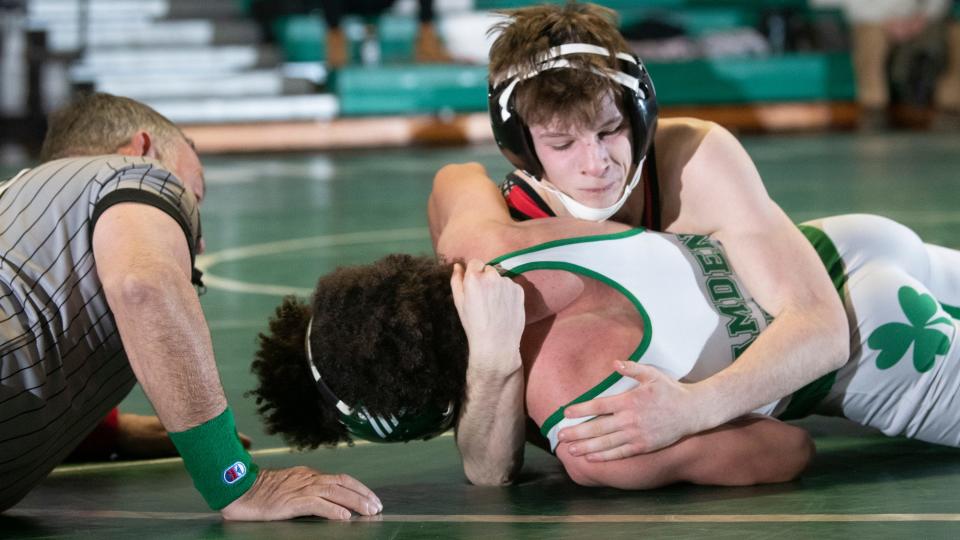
[902, 376]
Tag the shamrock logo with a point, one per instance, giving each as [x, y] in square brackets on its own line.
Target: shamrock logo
[893, 339]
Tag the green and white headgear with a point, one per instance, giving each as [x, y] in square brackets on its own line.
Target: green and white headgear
[401, 426]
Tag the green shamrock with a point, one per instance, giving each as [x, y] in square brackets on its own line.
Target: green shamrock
[893, 339]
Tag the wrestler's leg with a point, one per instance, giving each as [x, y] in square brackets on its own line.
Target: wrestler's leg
[903, 376]
[125, 436]
[862, 239]
[943, 278]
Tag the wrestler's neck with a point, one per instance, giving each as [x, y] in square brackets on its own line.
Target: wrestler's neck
[631, 213]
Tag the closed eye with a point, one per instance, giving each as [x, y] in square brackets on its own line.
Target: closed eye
[620, 127]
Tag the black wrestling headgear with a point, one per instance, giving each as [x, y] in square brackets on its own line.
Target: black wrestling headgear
[639, 104]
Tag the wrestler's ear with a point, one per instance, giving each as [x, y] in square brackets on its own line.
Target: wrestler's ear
[141, 144]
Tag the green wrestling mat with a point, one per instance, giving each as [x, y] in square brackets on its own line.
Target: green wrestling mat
[275, 223]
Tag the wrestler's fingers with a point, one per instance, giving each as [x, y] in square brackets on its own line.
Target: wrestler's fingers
[475, 266]
[471, 273]
[598, 427]
[642, 373]
[593, 407]
[456, 286]
[622, 451]
[595, 445]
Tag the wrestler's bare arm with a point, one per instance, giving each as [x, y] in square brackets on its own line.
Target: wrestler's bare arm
[746, 451]
[468, 218]
[722, 196]
[490, 429]
[463, 209]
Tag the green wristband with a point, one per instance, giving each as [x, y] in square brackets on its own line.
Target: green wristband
[221, 468]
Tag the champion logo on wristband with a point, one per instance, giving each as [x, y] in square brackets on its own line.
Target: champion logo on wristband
[234, 473]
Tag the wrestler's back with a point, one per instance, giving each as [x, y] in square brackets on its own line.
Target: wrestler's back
[668, 301]
[566, 354]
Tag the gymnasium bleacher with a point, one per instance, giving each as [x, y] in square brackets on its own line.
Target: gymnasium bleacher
[207, 66]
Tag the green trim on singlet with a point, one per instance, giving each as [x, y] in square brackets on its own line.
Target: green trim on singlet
[829, 256]
[567, 241]
[806, 399]
[557, 416]
[953, 311]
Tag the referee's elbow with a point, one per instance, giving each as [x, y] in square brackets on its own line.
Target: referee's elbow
[143, 284]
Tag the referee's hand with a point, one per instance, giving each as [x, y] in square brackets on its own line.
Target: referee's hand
[301, 491]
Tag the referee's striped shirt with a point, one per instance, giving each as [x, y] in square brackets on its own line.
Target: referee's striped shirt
[62, 365]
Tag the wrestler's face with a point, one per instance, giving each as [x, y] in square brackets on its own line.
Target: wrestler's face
[589, 163]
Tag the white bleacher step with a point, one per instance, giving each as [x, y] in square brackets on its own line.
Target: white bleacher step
[63, 36]
[97, 9]
[266, 82]
[70, 37]
[320, 107]
[172, 61]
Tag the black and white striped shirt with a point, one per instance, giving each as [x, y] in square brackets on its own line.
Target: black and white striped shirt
[62, 365]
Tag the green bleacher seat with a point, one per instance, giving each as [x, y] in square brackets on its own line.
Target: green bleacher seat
[411, 89]
[788, 77]
[396, 87]
[696, 21]
[302, 37]
[418, 89]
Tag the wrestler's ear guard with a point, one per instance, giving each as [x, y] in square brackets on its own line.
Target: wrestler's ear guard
[401, 426]
[639, 104]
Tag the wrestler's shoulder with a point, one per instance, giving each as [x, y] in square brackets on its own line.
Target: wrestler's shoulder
[682, 130]
[677, 141]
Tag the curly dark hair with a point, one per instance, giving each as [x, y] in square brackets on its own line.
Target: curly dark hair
[385, 335]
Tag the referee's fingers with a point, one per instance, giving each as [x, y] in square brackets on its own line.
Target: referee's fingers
[353, 484]
[336, 501]
[308, 505]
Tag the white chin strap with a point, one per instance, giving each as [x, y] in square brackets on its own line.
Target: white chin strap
[588, 213]
[553, 59]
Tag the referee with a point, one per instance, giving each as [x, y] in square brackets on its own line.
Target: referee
[96, 261]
